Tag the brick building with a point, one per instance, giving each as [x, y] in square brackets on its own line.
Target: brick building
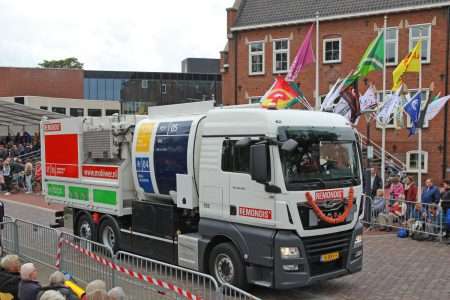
[264, 35]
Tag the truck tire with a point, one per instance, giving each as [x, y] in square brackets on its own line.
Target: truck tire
[226, 265]
[85, 227]
[109, 233]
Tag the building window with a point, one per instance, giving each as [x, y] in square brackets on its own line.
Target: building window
[43, 107]
[391, 46]
[254, 99]
[280, 56]
[256, 58]
[76, 112]
[163, 88]
[59, 110]
[415, 33]
[94, 112]
[19, 100]
[144, 84]
[412, 161]
[332, 50]
[110, 112]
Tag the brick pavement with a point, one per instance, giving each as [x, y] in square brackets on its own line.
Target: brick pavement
[398, 269]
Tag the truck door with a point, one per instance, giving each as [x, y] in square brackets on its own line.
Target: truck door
[248, 201]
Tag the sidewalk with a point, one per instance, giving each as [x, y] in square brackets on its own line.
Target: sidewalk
[33, 199]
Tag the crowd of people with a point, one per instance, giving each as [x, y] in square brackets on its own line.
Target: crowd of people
[17, 172]
[401, 205]
[20, 282]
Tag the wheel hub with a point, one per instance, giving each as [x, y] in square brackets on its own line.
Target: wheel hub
[108, 237]
[224, 268]
[85, 230]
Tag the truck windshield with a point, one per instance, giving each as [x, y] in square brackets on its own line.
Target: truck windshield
[323, 158]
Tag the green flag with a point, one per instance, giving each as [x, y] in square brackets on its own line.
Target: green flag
[372, 60]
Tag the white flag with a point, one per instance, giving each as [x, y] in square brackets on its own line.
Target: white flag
[342, 108]
[385, 113]
[435, 107]
[368, 100]
[332, 95]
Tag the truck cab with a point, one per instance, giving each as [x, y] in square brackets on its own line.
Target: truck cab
[257, 168]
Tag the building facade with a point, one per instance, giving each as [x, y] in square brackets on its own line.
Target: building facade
[263, 37]
[138, 90]
[135, 91]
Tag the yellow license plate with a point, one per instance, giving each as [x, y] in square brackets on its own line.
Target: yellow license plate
[329, 257]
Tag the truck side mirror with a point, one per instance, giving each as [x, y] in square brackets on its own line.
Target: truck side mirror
[259, 163]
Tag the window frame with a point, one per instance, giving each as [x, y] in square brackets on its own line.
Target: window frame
[416, 170]
[324, 42]
[231, 158]
[395, 63]
[411, 40]
[274, 55]
[251, 54]
[254, 98]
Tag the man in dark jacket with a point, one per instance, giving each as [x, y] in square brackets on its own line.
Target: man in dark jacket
[29, 287]
[9, 277]
[430, 193]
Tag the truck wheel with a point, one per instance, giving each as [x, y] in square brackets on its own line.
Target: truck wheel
[85, 227]
[226, 265]
[108, 233]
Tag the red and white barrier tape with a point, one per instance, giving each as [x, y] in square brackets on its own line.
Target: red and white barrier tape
[131, 273]
[58, 253]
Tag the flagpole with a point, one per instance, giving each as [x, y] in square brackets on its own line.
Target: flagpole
[383, 128]
[317, 106]
[419, 175]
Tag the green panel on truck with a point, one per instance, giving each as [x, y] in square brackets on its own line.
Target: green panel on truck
[105, 197]
[78, 193]
[58, 190]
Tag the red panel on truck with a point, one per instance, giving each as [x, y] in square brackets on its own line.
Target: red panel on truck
[61, 155]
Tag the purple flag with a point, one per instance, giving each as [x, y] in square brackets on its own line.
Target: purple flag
[305, 56]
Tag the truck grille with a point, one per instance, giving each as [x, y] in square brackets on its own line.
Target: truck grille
[319, 245]
[311, 221]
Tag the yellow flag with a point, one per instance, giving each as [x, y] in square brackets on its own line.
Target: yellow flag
[411, 63]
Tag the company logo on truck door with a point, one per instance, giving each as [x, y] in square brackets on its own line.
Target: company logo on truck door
[103, 172]
[330, 195]
[255, 213]
[52, 127]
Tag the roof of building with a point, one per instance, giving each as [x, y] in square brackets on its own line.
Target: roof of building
[264, 13]
[20, 115]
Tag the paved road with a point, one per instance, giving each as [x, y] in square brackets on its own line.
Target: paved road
[400, 269]
[393, 268]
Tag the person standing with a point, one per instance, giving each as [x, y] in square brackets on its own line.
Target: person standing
[28, 169]
[430, 194]
[410, 195]
[7, 175]
[375, 182]
[9, 277]
[445, 204]
[396, 190]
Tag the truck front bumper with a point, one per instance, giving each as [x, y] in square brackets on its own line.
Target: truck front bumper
[310, 266]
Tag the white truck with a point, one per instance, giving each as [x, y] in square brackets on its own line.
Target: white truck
[249, 195]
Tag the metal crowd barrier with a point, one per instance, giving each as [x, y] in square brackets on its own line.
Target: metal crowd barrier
[416, 217]
[140, 277]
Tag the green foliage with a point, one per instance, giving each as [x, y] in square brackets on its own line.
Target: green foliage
[66, 63]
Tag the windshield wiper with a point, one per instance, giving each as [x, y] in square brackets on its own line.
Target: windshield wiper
[313, 181]
[354, 179]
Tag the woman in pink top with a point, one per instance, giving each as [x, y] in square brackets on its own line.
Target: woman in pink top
[396, 189]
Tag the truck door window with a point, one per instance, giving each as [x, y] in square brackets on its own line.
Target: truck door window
[235, 159]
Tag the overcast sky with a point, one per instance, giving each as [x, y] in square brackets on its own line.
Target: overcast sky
[140, 35]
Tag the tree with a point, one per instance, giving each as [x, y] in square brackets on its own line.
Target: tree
[67, 63]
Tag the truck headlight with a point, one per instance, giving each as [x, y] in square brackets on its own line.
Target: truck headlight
[289, 252]
[358, 241]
